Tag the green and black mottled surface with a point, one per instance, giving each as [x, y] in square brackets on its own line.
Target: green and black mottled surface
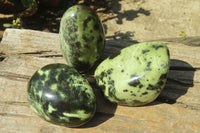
[135, 75]
[60, 95]
[81, 37]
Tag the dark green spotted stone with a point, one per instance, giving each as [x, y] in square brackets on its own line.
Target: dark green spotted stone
[135, 75]
[81, 37]
[60, 95]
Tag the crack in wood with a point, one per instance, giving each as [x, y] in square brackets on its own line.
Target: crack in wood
[15, 103]
[50, 56]
[2, 54]
[36, 52]
[187, 106]
[43, 54]
[2, 57]
[172, 101]
[14, 76]
[16, 115]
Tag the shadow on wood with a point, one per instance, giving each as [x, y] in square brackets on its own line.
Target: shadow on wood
[105, 110]
[180, 78]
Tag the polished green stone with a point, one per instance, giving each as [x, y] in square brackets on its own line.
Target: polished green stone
[60, 95]
[81, 37]
[135, 75]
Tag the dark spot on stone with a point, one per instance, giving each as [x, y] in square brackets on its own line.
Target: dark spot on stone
[137, 58]
[40, 87]
[43, 77]
[163, 76]
[103, 88]
[96, 26]
[86, 22]
[133, 94]
[157, 47]
[149, 63]
[45, 107]
[69, 27]
[115, 54]
[150, 87]
[91, 31]
[85, 38]
[122, 70]
[103, 74]
[78, 44]
[111, 91]
[109, 71]
[148, 69]
[140, 86]
[134, 81]
[145, 93]
[87, 46]
[100, 40]
[148, 66]
[145, 51]
[125, 90]
[75, 29]
[92, 38]
[160, 83]
[112, 82]
[61, 77]
[81, 82]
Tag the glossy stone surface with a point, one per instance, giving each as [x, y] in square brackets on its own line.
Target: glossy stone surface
[60, 95]
[81, 37]
[135, 75]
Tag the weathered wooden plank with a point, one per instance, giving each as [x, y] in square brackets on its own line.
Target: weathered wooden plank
[157, 118]
[177, 109]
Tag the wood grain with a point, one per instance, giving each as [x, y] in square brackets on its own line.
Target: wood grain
[177, 109]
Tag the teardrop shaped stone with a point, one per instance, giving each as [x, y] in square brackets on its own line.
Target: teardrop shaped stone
[135, 75]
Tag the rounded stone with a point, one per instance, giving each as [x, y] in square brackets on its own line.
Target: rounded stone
[81, 37]
[135, 75]
[60, 95]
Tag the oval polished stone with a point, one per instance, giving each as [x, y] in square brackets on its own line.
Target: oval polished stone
[60, 95]
[81, 37]
[135, 75]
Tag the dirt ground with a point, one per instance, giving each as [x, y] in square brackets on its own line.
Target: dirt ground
[138, 20]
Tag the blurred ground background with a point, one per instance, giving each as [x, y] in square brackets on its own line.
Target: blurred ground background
[137, 20]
